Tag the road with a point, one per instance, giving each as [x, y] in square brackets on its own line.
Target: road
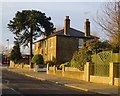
[22, 85]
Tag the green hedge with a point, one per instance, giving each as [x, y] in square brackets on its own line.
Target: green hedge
[38, 59]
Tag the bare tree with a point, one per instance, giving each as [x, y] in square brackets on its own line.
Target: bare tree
[109, 21]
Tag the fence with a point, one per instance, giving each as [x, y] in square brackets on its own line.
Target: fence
[100, 69]
[101, 62]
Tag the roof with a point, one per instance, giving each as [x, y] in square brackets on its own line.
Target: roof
[72, 33]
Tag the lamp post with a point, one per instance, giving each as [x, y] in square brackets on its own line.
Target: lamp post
[8, 43]
[7, 60]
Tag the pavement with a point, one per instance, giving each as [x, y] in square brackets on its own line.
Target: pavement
[73, 83]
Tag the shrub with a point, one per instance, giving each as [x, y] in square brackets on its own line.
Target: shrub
[67, 64]
[51, 63]
[15, 54]
[38, 59]
[80, 58]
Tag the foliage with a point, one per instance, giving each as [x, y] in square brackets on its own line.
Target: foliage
[93, 45]
[28, 24]
[89, 47]
[38, 59]
[80, 58]
[115, 47]
[96, 46]
[67, 64]
[51, 63]
[15, 54]
[105, 45]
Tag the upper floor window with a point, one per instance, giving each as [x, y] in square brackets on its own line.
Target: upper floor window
[51, 56]
[39, 45]
[35, 46]
[80, 41]
[42, 51]
[46, 44]
[51, 43]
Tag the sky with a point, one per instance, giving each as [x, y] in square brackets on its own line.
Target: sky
[77, 11]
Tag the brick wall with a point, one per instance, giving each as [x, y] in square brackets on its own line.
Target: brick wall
[66, 46]
[60, 48]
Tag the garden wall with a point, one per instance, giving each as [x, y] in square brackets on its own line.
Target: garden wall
[21, 65]
[69, 72]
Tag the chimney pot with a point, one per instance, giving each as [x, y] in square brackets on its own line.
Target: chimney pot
[67, 17]
[87, 20]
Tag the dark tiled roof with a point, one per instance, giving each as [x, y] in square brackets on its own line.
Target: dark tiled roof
[72, 32]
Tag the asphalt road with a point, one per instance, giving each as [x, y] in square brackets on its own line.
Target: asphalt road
[21, 85]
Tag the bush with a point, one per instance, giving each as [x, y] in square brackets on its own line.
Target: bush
[67, 64]
[38, 59]
[15, 54]
[51, 63]
[80, 58]
[116, 49]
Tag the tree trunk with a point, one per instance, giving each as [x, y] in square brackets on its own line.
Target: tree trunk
[31, 42]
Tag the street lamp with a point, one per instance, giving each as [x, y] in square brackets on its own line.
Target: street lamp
[8, 43]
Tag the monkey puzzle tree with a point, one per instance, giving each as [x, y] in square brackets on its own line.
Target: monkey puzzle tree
[28, 24]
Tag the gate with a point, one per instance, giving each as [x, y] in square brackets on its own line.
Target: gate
[100, 64]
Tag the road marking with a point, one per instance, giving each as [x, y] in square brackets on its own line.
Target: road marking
[84, 89]
[31, 88]
[33, 76]
[16, 91]
[100, 92]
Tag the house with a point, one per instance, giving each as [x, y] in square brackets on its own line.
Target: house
[62, 44]
[5, 60]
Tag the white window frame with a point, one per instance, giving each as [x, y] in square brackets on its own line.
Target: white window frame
[51, 56]
[80, 42]
[46, 44]
[51, 43]
[39, 45]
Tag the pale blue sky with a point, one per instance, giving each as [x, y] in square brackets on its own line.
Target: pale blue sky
[78, 12]
[56, 0]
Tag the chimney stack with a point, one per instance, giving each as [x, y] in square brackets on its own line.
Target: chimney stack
[87, 27]
[66, 25]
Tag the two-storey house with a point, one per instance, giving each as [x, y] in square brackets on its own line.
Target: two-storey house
[62, 44]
